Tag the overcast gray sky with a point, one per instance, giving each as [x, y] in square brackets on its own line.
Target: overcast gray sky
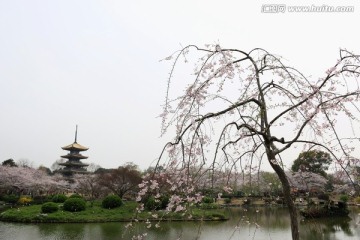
[95, 63]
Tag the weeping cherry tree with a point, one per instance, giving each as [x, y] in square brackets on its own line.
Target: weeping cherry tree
[239, 109]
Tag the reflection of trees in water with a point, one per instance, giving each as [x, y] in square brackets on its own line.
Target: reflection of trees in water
[355, 223]
[112, 230]
[274, 224]
[65, 230]
[170, 230]
[324, 228]
[81, 231]
[269, 217]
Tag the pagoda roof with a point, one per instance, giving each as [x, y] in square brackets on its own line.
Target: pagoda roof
[75, 146]
[74, 156]
[73, 164]
[82, 171]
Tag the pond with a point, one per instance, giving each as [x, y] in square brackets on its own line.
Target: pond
[245, 223]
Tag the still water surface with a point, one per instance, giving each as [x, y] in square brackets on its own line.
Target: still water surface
[273, 223]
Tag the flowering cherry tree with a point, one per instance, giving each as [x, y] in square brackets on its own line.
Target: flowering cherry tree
[307, 181]
[29, 180]
[240, 109]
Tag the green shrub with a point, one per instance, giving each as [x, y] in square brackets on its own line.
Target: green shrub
[75, 195]
[227, 200]
[112, 201]
[49, 207]
[208, 199]
[164, 201]
[227, 194]
[74, 205]
[11, 198]
[40, 199]
[238, 194]
[59, 198]
[49, 198]
[357, 200]
[344, 198]
[152, 204]
[215, 216]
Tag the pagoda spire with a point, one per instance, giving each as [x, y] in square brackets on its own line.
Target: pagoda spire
[76, 133]
[74, 164]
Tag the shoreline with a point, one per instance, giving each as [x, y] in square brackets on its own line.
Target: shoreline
[97, 214]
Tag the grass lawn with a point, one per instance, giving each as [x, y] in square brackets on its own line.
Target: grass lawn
[127, 212]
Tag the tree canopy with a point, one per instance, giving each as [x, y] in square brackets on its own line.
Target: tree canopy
[314, 161]
[10, 162]
[122, 180]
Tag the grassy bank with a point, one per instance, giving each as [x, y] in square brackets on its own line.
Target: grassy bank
[127, 212]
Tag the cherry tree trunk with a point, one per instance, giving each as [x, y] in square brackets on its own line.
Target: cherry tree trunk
[289, 201]
[287, 194]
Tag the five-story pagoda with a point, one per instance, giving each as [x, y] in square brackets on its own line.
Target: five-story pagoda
[73, 164]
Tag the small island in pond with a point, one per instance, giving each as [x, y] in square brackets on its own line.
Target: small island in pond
[331, 209]
[112, 209]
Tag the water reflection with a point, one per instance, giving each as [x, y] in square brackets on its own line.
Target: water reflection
[110, 230]
[244, 223]
[332, 228]
[315, 229]
[61, 231]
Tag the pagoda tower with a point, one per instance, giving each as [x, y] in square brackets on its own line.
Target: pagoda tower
[73, 164]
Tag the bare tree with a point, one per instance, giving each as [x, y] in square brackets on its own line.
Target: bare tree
[23, 162]
[240, 109]
[56, 166]
[45, 169]
[93, 167]
[88, 184]
[121, 181]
